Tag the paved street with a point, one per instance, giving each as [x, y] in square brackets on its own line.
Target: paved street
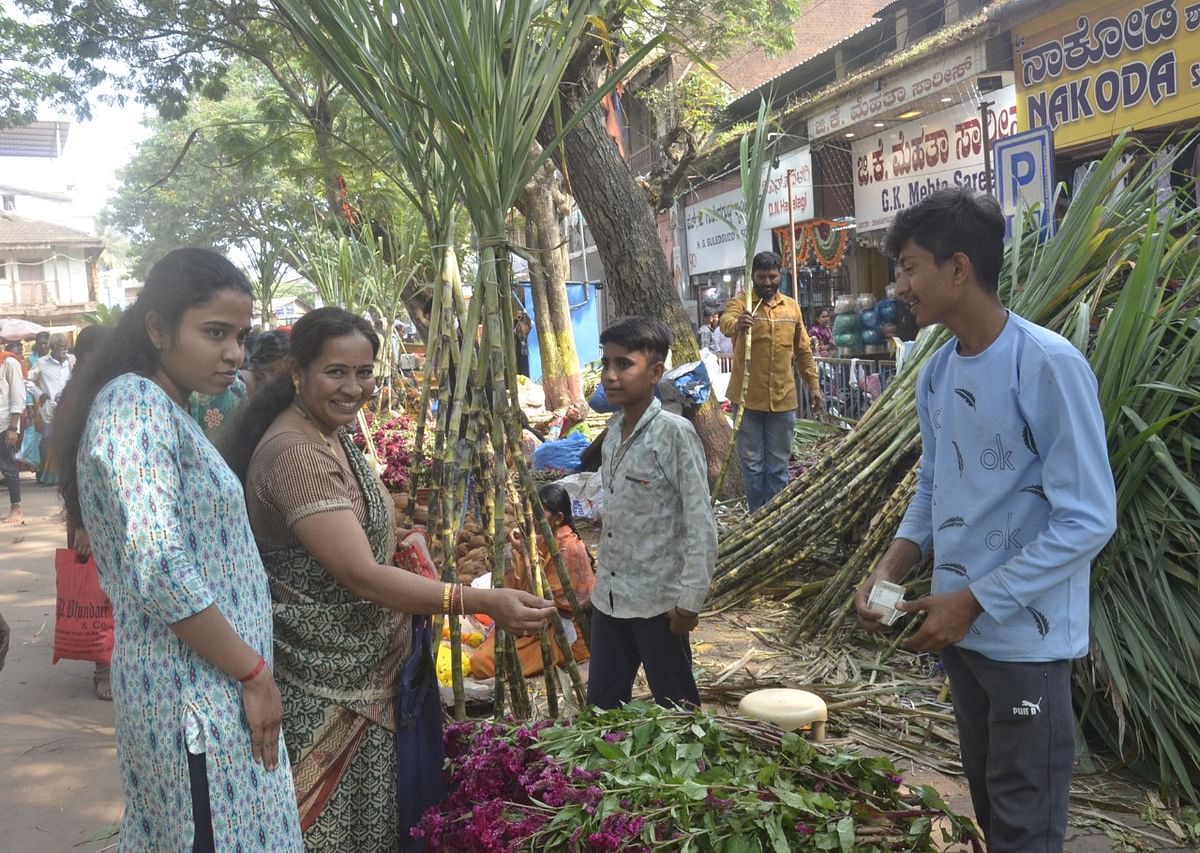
[58, 774]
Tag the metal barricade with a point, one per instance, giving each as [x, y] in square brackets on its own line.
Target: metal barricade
[850, 385]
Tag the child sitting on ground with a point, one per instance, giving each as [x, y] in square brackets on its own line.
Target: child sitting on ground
[659, 544]
[556, 504]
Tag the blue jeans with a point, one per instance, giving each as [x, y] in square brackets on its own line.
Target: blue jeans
[764, 445]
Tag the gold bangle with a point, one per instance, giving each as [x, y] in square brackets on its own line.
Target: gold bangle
[461, 610]
[447, 592]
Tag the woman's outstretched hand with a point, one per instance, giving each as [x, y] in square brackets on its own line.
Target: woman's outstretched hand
[517, 611]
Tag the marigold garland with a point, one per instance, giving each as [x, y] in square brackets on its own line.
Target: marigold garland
[822, 239]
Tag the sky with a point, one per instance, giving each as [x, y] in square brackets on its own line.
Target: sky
[95, 150]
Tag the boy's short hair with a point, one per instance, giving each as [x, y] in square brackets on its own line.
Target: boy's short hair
[766, 261]
[952, 220]
[640, 334]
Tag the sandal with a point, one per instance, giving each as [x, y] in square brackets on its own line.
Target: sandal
[102, 684]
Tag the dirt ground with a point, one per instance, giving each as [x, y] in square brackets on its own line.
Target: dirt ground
[58, 776]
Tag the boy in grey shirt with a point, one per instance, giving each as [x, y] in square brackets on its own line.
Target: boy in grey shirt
[659, 543]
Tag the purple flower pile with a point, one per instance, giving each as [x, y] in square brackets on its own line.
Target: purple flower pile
[643, 778]
[394, 440]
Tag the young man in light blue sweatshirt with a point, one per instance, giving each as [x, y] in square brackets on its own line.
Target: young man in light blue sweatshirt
[1015, 497]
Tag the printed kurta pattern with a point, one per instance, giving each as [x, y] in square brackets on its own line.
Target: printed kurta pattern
[168, 525]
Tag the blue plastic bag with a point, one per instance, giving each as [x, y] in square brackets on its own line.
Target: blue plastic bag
[31, 451]
[690, 381]
[565, 454]
[598, 402]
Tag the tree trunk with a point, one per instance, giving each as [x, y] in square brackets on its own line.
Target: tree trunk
[636, 272]
[543, 204]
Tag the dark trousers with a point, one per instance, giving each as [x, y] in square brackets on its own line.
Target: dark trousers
[620, 646]
[1017, 735]
[202, 838]
[9, 470]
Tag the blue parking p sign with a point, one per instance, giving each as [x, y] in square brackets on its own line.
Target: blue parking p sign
[1024, 182]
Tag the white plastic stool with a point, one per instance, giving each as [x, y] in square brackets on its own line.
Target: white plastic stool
[788, 709]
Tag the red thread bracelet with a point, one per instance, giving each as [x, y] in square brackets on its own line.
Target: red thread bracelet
[258, 667]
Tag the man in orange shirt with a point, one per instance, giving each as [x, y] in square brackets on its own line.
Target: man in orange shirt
[780, 339]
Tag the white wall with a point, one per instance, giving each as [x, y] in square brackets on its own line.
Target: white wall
[41, 209]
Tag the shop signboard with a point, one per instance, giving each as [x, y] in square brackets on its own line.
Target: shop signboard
[799, 162]
[712, 245]
[887, 97]
[1094, 68]
[899, 167]
[1024, 168]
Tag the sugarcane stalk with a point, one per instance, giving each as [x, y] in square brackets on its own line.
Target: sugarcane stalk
[532, 557]
[741, 409]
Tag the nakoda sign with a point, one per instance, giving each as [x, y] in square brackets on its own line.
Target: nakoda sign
[1093, 69]
[898, 168]
[712, 245]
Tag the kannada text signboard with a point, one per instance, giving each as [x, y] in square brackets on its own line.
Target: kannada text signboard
[952, 71]
[897, 168]
[713, 246]
[1095, 68]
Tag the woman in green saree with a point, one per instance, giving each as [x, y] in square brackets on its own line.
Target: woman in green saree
[343, 628]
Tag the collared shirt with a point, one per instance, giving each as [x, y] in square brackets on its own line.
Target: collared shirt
[658, 547]
[50, 375]
[707, 341]
[12, 391]
[779, 339]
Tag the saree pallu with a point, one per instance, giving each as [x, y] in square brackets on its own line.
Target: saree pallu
[338, 660]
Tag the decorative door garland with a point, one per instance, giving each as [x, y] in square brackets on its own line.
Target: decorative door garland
[823, 239]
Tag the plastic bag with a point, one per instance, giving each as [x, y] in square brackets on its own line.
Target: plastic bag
[83, 618]
[30, 452]
[586, 491]
[688, 383]
[564, 455]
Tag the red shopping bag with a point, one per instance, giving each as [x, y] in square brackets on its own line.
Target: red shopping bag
[83, 620]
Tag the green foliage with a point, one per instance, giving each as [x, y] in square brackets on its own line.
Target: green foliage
[711, 29]
[693, 103]
[702, 782]
[103, 316]
[166, 52]
[225, 178]
[33, 73]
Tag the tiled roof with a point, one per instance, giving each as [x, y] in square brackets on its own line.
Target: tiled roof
[822, 24]
[17, 232]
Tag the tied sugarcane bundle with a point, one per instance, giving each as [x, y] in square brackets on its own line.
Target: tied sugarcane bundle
[461, 91]
[1121, 280]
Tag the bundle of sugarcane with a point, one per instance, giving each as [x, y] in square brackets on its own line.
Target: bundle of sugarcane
[461, 90]
[1120, 280]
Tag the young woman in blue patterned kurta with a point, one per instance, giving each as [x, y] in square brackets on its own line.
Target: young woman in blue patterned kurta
[201, 755]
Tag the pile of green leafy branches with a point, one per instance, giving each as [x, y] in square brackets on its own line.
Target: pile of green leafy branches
[646, 778]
